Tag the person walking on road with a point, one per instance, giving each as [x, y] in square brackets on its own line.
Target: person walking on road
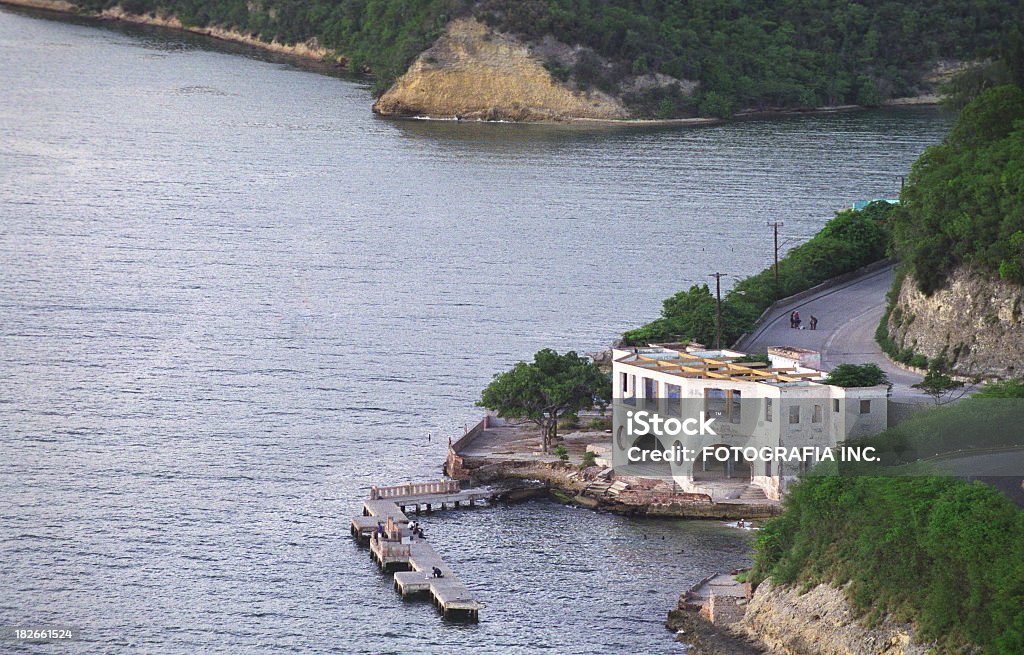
[814, 322]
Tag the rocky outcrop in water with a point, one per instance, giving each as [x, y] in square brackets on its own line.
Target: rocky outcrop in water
[976, 323]
[472, 72]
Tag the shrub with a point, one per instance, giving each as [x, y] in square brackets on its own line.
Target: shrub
[856, 375]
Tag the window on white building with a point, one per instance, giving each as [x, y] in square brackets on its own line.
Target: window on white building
[794, 414]
[734, 406]
[835, 405]
[714, 402]
[675, 404]
[650, 388]
[816, 416]
[865, 407]
[768, 410]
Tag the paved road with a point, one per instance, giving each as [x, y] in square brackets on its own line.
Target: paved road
[847, 318]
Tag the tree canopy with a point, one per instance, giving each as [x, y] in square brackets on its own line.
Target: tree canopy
[856, 375]
[546, 388]
[939, 386]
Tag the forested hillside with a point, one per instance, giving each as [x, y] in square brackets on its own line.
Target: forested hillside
[964, 203]
[745, 54]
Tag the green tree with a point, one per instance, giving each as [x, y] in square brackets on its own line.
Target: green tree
[687, 316]
[940, 387]
[856, 375]
[546, 388]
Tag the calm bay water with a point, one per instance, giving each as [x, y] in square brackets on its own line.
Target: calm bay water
[231, 299]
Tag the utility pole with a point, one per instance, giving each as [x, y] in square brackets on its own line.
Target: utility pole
[775, 225]
[718, 311]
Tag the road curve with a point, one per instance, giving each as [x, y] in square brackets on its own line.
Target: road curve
[848, 315]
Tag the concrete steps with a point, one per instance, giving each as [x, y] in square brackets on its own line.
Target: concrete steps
[753, 493]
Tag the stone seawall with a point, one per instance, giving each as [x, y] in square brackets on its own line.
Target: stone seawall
[976, 322]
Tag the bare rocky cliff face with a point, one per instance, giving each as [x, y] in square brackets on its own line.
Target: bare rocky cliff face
[819, 622]
[975, 322]
[474, 73]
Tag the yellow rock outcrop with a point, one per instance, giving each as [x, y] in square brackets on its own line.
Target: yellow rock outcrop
[472, 72]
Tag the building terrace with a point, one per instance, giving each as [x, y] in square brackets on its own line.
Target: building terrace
[674, 359]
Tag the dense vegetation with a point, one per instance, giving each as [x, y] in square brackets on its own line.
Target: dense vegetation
[937, 551]
[964, 203]
[755, 54]
[856, 375]
[941, 552]
[850, 240]
[760, 54]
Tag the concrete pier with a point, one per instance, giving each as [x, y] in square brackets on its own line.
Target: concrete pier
[395, 549]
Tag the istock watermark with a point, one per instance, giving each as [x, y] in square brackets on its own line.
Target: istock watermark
[643, 423]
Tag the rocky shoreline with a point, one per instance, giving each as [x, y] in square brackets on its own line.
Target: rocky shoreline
[723, 616]
[310, 51]
[566, 483]
[495, 452]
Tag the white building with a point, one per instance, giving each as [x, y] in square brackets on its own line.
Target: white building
[784, 403]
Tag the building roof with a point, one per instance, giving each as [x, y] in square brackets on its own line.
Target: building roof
[716, 365]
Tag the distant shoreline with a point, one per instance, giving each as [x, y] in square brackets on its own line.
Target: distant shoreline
[308, 51]
[311, 52]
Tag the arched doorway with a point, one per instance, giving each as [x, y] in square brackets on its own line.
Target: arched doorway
[647, 468]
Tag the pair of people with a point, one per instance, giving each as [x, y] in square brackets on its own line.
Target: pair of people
[795, 321]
